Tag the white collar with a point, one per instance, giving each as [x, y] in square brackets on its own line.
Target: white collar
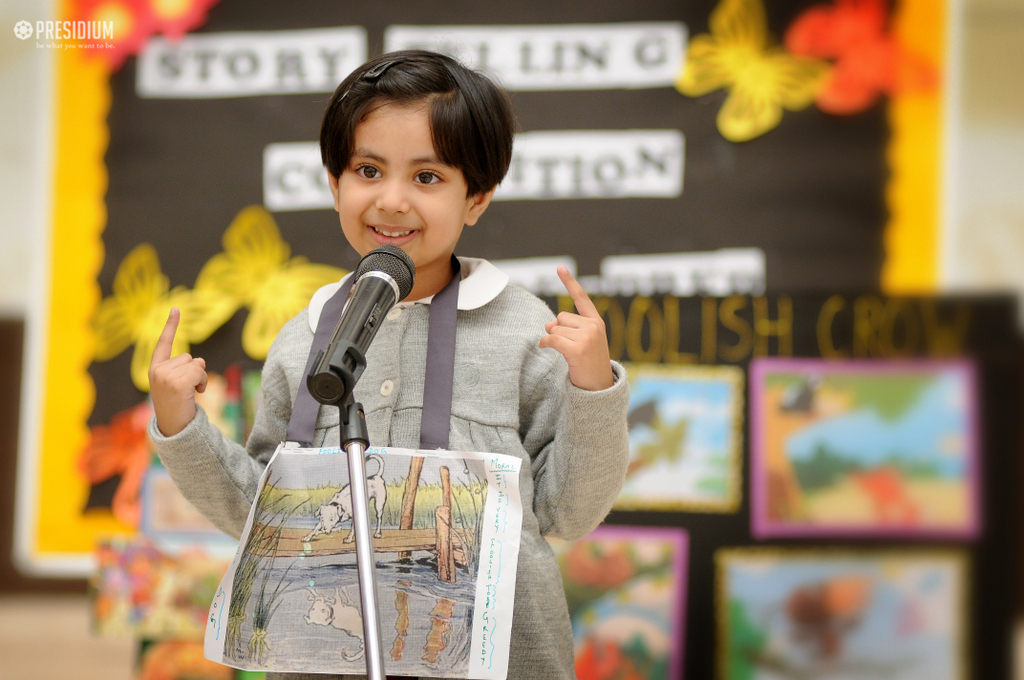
[481, 283]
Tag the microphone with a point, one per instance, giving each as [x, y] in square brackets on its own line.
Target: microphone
[384, 276]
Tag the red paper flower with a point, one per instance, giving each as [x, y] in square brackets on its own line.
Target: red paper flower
[132, 22]
[175, 18]
[868, 60]
[121, 448]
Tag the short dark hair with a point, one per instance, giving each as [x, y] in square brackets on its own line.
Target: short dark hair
[471, 118]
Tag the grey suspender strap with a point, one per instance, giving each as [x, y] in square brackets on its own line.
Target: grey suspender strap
[435, 420]
[302, 425]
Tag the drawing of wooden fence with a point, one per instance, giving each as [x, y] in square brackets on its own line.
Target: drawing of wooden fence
[441, 540]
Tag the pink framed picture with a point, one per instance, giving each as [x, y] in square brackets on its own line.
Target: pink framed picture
[864, 449]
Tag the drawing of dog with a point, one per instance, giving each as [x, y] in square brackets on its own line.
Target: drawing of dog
[335, 511]
[336, 612]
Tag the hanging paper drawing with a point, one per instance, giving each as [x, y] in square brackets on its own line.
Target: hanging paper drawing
[863, 448]
[829, 614]
[446, 534]
[685, 432]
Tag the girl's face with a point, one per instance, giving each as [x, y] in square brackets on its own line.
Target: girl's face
[395, 190]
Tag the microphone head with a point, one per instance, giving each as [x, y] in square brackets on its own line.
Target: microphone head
[394, 262]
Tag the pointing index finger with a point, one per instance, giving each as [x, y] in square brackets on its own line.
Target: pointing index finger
[162, 351]
[584, 305]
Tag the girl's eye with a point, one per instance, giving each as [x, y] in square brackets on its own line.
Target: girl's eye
[427, 178]
[368, 172]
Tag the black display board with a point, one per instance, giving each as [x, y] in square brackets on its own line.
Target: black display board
[809, 193]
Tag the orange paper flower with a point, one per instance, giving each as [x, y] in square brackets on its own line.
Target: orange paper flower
[121, 448]
[869, 61]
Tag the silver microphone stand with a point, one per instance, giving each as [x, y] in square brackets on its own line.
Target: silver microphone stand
[355, 440]
[331, 381]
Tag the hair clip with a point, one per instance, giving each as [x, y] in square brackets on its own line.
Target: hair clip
[374, 74]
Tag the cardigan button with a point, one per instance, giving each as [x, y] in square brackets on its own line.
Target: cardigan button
[467, 374]
[387, 387]
[394, 313]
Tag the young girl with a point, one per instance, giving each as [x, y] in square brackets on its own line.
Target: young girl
[415, 146]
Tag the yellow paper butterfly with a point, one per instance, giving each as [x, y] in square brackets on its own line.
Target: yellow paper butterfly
[138, 309]
[255, 271]
[762, 79]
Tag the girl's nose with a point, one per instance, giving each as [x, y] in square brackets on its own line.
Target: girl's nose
[392, 198]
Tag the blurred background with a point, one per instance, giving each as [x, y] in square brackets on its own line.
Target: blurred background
[880, 221]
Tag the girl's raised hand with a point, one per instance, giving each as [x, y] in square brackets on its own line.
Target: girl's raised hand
[173, 382]
[581, 339]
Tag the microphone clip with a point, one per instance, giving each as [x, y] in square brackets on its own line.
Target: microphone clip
[335, 372]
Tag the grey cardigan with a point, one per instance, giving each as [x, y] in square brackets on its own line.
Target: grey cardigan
[509, 397]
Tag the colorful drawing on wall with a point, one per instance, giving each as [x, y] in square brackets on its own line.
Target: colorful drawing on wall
[626, 590]
[685, 438]
[145, 590]
[824, 614]
[863, 448]
[175, 660]
[167, 514]
[446, 533]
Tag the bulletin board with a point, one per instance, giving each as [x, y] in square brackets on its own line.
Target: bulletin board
[638, 138]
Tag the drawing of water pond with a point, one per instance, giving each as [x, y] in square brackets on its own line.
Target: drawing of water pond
[294, 604]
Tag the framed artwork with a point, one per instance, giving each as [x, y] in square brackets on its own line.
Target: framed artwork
[899, 615]
[153, 591]
[177, 660]
[167, 514]
[626, 590]
[864, 448]
[685, 438]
